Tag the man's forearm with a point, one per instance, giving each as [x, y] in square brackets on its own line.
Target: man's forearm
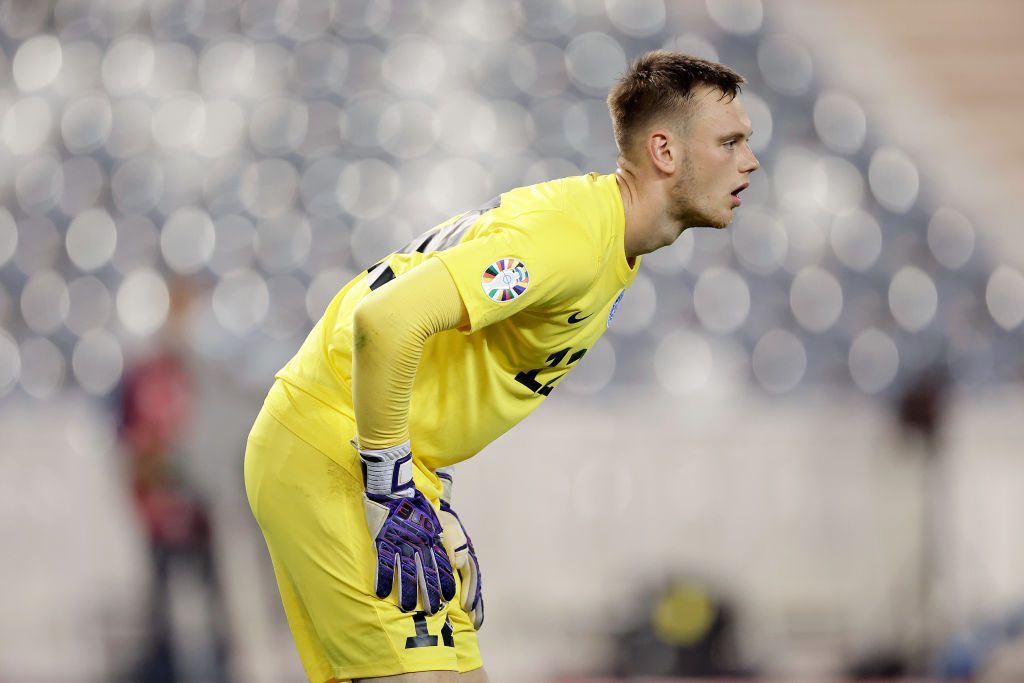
[390, 328]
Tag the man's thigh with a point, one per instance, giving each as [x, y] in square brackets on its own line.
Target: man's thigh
[311, 512]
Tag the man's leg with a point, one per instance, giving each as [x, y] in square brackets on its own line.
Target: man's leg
[310, 509]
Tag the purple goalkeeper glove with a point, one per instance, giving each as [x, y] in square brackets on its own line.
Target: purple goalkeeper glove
[406, 531]
[472, 598]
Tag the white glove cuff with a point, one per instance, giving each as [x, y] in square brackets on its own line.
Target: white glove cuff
[445, 475]
[388, 472]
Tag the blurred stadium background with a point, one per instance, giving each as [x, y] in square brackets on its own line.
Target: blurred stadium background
[797, 453]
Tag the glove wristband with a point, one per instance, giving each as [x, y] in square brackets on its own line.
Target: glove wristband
[445, 475]
[388, 472]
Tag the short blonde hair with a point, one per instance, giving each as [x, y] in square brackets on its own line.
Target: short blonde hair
[660, 83]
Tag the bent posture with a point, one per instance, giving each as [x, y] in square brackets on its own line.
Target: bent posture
[433, 352]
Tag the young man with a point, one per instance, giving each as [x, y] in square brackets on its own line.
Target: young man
[441, 347]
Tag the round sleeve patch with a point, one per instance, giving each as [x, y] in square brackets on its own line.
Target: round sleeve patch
[505, 280]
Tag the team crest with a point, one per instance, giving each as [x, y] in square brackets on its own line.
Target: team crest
[505, 280]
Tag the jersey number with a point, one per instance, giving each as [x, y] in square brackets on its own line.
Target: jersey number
[529, 379]
[423, 637]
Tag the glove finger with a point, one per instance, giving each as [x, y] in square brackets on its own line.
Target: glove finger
[386, 560]
[445, 573]
[430, 588]
[407, 583]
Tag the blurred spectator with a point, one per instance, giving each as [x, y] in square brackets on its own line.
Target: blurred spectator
[156, 399]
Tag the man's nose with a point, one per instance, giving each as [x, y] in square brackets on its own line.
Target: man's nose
[752, 163]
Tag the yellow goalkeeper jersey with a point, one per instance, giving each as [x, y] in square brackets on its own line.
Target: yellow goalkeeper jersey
[540, 270]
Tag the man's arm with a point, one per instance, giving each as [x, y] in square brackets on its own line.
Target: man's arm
[390, 327]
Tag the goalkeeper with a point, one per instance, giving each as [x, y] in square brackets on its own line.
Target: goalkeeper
[438, 349]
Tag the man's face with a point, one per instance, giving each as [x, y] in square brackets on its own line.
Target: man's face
[716, 161]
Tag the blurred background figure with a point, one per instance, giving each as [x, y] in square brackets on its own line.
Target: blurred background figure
[156, 400]
[856, 511]
[686, 632]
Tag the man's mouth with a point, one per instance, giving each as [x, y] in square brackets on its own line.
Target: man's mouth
[736, 194]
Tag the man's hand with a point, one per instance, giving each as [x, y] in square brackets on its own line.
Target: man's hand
[458, 542]
[406, 531]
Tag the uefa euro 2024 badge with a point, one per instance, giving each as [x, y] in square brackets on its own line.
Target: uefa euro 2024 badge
[505, 280]
[615, 307]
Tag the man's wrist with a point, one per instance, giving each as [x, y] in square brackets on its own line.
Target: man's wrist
[387, 472]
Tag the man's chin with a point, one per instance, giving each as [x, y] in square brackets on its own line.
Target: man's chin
[720, 222]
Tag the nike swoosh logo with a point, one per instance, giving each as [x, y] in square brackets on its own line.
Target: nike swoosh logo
[573, 319]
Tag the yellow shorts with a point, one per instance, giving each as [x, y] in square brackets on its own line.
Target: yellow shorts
[310, 509]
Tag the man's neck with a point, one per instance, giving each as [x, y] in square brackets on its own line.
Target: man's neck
[643, 213]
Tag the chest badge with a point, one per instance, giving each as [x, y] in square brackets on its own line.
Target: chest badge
[505, 280]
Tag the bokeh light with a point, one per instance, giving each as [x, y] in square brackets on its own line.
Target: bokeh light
[37, 62]
[721, 299]
[39, 184]
[27, 124]
[913, 298]
[873, 360]
[950, 238]
[128, 65]
[414, 66]
[840, 121]
[785, 64]
[1004, 296]
[856, 239]
[143, 302]
[91, 239]
[594, 61]
[187, 240]
[816, 299]
[894, 179]
[241, 301]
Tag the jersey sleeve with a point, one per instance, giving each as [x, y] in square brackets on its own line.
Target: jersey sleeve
[536, 260]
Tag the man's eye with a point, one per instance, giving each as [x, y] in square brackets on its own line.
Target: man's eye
[731, 144]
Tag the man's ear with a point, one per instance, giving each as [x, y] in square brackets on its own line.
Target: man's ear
[661, 151]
